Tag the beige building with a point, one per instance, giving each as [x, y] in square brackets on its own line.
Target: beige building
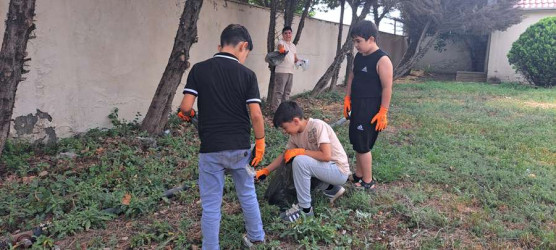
[90, 57]
[501, 41]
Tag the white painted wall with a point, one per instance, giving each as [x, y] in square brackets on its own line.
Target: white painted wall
[501, 43]
[92, 56]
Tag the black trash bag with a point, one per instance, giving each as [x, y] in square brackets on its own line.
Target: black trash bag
[281, 189]
[274, 58]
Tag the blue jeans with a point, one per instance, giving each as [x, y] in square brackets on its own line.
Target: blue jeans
[211, 185]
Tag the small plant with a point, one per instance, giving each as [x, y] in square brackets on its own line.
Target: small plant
[154, 233]
[43, 242]
[82, 220]
[534, 53]
[310, 231]
[142, 239]
[122, 126]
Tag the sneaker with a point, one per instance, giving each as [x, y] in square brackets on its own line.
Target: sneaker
[251, 244]
[295, 213]
[334, 193]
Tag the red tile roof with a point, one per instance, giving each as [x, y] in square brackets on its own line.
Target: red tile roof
[537, 4]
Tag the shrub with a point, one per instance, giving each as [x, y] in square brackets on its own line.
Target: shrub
[534, 53]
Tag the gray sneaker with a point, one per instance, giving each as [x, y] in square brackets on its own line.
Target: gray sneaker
[334, 193]
[251, 244]
[295, 213]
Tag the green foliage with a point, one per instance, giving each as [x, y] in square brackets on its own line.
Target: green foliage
[156, 233]
[449, 146]
[72, 192]
[310, 231]
[81, 220]
[123, 127]
[43, 242]
[534, 53]
[15, 157]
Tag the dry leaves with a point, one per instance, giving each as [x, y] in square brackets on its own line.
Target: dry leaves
[126, 199]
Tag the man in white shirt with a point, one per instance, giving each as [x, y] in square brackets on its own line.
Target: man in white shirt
[283, 79]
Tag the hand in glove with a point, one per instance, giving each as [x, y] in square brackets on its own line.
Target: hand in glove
[258, 152]
[381, 119]
[291, 153]
[186, 117]
[347, 106]
[262, 174]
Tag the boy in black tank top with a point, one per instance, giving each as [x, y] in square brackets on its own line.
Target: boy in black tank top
[368, 93]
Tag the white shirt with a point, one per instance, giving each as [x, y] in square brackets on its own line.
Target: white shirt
[289, 61]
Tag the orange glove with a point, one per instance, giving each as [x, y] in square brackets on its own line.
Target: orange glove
[281, 49]
[186, 117]
[258, 152]
[291, 153]
[381, 119]
[262, 174]
[347, 106]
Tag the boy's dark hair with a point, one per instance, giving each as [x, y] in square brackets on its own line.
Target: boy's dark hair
[234, 34]
[364, 29]
[287, 28]
[286, 112]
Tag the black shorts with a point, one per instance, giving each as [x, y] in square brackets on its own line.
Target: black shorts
[362, 134]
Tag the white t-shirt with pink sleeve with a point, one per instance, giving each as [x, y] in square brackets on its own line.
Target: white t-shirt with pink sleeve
[315, 133]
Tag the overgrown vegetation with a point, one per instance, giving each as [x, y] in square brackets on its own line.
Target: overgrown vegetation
[534, 53]
[460, 166]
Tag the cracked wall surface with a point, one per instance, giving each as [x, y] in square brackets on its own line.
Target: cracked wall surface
[35, 128]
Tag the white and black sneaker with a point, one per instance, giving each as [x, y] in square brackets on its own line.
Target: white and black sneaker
[334, 193]
[294, 213]
[251, 244]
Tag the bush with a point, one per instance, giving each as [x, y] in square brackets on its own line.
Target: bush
[534, 53]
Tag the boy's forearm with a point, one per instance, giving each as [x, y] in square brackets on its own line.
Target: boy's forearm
[318, 155]
[348, 84]
[386, 96]
[275, 163]
[257, 120]
[187, 103]
[258, 127]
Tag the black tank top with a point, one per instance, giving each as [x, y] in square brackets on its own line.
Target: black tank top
[366, 82]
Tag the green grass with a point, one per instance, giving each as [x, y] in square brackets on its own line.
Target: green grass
[461, 165]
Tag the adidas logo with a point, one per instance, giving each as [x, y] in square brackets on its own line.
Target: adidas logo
[360, 127]
[364, 69]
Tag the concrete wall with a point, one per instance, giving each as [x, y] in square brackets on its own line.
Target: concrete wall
[453, 58]
[394, 45]
[501, 43]
[92, 56]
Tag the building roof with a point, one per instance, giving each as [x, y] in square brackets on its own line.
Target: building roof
[537, 4]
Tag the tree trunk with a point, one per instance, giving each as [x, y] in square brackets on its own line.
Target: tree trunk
[415, 51]
[161, 105]
[270, 47]
[302, 21]
[336, 74]
[289, 12]
[19, 25]
[348, 44]
[323, 81]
